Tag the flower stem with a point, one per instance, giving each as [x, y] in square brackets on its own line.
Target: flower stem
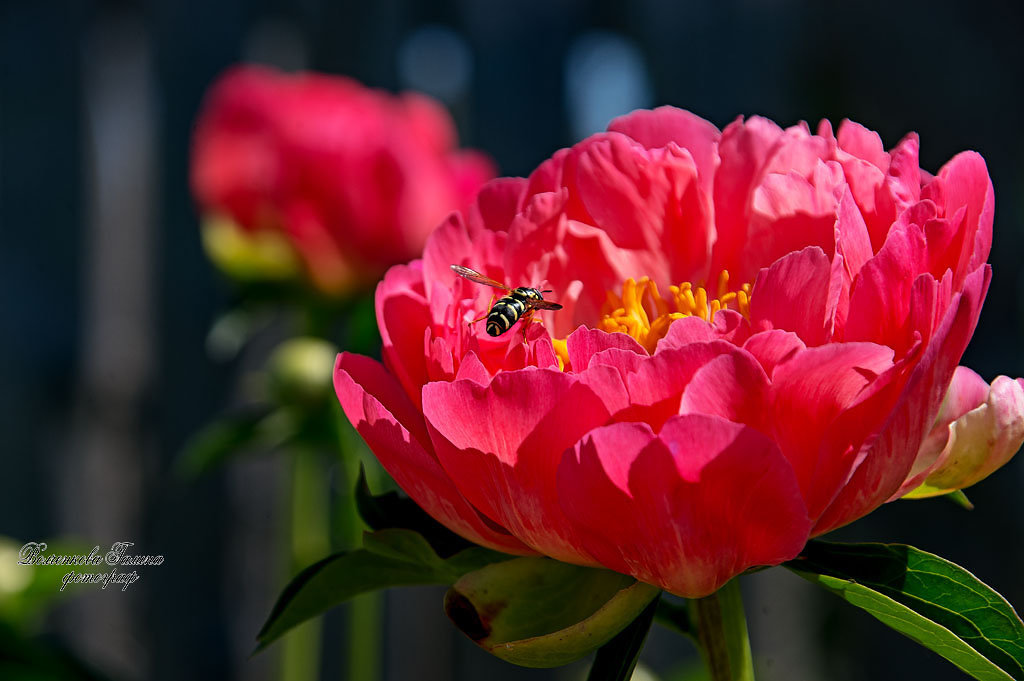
[722, 634]
[365, 612]
[308, 542]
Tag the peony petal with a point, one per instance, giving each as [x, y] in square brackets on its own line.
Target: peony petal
[744, 148]
[452, 244]
[656, 386]
[978, 430]
[501, 445]
[584, 343]
[664, 507]
[797, 151]
[727, 325]
[852, 239]
[964, 181]
[643, 199]
[808, 392]
[880, 297]
[889, 455]
[658, 127]
[903, 179]
[549, 175]
[772, 348]
[402, 318]
[394, 429]
[792, 295]
[966, 391]
[858, 141]
[733, 387]
[472, 369]
[498, 202]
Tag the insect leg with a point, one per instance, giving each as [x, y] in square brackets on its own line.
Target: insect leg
[526, 320]
[487, 313]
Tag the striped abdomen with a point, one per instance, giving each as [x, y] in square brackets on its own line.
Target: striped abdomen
[509, 309]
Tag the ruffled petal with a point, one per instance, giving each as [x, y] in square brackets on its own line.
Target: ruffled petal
[808, 392]
[403, 318]
[890, 451]
[658, 127]
[664, 507]
[647, 200]
[394, 429]
[731, 386]
[792, 295]
[501, 444]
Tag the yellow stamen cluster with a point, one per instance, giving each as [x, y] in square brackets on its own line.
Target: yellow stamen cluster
[644, 314]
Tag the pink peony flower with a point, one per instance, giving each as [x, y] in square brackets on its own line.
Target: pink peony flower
[759, 326]
[355, 178]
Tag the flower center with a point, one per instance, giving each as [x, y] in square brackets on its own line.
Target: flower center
[643, 313]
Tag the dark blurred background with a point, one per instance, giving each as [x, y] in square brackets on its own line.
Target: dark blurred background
[106, 297]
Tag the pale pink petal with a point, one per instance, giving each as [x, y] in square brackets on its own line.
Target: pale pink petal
[979, 428]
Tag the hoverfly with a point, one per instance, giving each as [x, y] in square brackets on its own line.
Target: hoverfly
[519, 303]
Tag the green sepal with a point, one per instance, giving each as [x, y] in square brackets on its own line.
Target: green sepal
[393, 510]
[538, 612]
[616, 660]
[388, 558]
[960, 499]
[926, 598]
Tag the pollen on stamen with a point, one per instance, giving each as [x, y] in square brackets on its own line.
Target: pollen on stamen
[643, 313]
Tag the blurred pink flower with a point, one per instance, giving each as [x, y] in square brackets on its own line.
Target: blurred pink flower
[355, 178]
[759, 326]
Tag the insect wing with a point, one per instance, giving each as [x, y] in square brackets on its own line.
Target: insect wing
[544, 305]
[475, 276]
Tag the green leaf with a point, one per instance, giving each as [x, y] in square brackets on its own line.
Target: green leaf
[219, 441]
[390, 510]
[388, 558]
[616, 660]
[926, 598]
[538, 612]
